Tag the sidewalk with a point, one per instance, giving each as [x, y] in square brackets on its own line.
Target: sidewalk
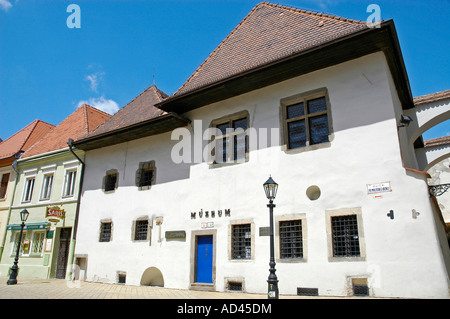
[27, 288]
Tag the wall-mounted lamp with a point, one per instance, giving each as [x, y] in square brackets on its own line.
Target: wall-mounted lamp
[404, 121]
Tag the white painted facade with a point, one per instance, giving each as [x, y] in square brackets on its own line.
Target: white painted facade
[400, 257]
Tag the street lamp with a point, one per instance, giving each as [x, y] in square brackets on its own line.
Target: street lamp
[270, 187]
[13, 277]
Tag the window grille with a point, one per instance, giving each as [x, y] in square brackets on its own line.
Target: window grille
[141, 230]
[110, 181]
[234, 137]
[345, 236]
[291, 240]
[234, 286]
[242, 240]
[145, 175]
[38, 242]
[307, 123]
[105, 232]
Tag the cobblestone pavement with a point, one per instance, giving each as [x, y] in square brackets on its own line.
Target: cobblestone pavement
[27, 288]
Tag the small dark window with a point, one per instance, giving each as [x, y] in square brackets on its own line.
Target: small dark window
[241, 243]
[105, 232]
[146, 175]
[141, 230]
[291, 240]
[4, 185]
[110, 180]
[122, 278]
[235, 286]
[345, 236]
[307, 122]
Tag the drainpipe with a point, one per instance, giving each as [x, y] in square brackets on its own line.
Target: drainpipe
[75, 225]
[14, 167]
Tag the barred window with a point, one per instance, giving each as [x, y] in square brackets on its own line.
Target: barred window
[291, 240]
[105, 232]
[110, 180]
[38, 242]
[345, 236]
[141, 230]
[145, 175]
[307, 122]
[232, 145]
[241, 242]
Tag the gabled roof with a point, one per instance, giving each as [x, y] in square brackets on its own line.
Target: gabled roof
[269, 32]
[141, 108]
[24, 139]
[274, 43]
[137, 119]
[77, 125]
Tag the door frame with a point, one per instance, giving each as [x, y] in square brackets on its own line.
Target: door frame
[193, 260]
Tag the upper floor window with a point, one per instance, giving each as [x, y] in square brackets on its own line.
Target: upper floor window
[28, 189]
[110, 180]
[141, 230]
[47, 184]
[105, 231]
[306, 119]
[4, 185]
[69, 183]
[232, 138]
[146, 175]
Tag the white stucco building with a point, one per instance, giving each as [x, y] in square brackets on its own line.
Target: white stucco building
[319, 112]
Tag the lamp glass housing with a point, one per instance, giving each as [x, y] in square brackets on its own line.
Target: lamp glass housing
[24, 215]
[270, 187]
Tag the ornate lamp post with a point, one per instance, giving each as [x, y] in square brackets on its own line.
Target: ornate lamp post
[270, 187]
[13, 277]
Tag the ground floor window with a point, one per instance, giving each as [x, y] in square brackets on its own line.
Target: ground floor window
[241, 241]
[345, 236]
[37, 242]
[105, 231]
[291, 239]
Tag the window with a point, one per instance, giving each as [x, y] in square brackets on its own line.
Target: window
[241, 242]
[16, 242]
[110, 180]
[4, 185]
[306, 119]
[69, 183]
[291, 239]
[105, 231]
[141, 230]
[232, 138]
[47, 186]
[37, 242]
[28, 190]
[146, 175]
[345, 236]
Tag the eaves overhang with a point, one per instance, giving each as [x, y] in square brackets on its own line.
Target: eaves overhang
[324, 55]
[157, 125]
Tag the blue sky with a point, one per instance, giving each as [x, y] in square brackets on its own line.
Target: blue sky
[123, 47]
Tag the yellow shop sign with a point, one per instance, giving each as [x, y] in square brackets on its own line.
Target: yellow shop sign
[55, 213]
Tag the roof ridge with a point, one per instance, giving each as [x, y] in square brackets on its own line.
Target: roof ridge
[312, 12]
[219, 46]
[258, 6]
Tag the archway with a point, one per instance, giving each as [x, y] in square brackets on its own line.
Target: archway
[152, 277]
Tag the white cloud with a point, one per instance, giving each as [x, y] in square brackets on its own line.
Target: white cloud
[5, 5]
[105, 105]
[94, 79]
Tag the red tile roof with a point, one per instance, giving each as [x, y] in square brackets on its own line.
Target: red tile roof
[269, 32]
[141, 108]
[437, 141]
[75, 126]
[433, 97]
[24, 139]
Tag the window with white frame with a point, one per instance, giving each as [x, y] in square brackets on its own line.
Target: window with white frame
[69, 182]
[28, 189]
[47, 184]
[37, 242]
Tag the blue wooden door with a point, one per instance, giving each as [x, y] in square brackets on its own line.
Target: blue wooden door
[205, 259]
